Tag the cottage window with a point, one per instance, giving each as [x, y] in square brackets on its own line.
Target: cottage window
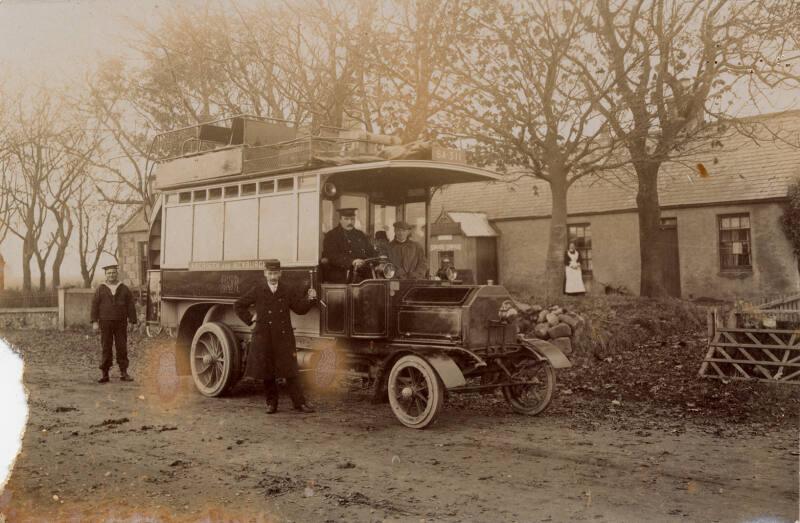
[734, 242]
[581, 235]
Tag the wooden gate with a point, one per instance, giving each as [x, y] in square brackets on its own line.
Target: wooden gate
[746, 353]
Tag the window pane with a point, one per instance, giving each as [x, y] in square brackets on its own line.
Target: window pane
[185, 197]
[308, 228]
[200, 196]
[285, 184]
[215, 194]
[248, 189]
[232, 191]
[414, 213]
[383, 216]
[207, 241]
[241, 242]
[744, 222]
[178, 240]
[277, 234]
[725, 223]
[266, 187]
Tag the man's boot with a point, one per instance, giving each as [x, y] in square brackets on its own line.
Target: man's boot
[272, 406]
[104, 378]
[124, 376]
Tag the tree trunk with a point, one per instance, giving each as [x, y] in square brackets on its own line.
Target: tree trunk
[87, 278]
[554, 265]
[42, 274]
[27, 278]
[649, 210]
[57, 261]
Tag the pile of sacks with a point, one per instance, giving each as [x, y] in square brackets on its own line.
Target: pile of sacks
[555, 324]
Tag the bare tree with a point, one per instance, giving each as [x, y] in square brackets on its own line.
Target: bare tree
[62, 191]
[674, 62]
[413, 81]
[34, 156]
[95, 218]
[529, 110]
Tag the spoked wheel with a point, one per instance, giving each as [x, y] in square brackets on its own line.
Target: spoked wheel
[531, 398]
[416, 393]
[215, 359]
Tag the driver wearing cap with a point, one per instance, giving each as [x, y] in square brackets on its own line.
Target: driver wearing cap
[345, 248]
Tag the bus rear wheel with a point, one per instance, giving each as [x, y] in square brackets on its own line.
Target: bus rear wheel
[215, 359]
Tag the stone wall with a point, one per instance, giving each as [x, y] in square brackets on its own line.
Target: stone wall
[40, 318]
[130, 258]
[75, 307]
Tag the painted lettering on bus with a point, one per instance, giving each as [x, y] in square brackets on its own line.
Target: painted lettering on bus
[229, 284]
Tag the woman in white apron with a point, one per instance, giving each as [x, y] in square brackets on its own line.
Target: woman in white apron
[572, 268]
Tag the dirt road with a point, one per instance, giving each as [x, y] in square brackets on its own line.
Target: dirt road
[155, 449]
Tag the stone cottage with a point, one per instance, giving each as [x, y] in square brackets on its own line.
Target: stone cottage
[720, 214]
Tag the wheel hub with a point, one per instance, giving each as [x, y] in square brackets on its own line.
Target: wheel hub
[407, 392]
[208, 359]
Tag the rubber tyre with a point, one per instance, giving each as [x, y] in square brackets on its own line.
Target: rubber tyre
[541, 402]
[416, 393]
[215, 345]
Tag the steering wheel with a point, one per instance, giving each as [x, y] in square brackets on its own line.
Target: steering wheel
[376, 265]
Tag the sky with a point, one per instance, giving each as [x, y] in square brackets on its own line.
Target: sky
[53, 43]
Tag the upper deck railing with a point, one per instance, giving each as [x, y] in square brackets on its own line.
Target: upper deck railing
[269, 145]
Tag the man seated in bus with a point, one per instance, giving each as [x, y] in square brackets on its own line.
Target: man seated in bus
[406, 254]
[345, 249]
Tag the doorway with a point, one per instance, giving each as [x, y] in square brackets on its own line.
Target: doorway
[670, 259]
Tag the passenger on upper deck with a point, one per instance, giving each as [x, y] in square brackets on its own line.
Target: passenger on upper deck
[345, 248]
[406, 254]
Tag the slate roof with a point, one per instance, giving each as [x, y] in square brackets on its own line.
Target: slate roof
[473, 224]
[135, 223]
[741, 170]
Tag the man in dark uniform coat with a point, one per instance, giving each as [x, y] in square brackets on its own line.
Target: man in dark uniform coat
[345, 248]
[273, 351]
[112, 308]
